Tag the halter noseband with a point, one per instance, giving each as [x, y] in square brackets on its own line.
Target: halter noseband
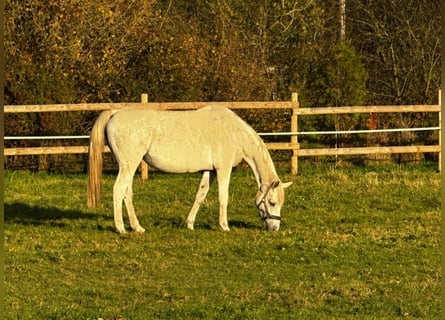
[268, 216]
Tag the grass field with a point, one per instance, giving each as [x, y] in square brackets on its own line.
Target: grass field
[355, 243]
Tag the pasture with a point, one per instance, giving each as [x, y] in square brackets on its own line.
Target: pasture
[355, 243]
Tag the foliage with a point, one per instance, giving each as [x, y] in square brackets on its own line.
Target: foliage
[82, 51]
[341, 81]
[346, 78]
[373, 255]
[72, 51]
[79, 51]
[400, 43]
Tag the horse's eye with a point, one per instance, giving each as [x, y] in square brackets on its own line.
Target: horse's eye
[272, 203]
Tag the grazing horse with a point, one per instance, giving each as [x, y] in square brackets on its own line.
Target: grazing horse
[209, 140]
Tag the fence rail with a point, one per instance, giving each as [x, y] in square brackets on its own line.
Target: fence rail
[230, 105]
[149, 105]
[292, 145]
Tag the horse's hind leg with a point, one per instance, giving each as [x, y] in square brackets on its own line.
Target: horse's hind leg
[203, 189]
[134, 222]
[123, 190]
[119, 190]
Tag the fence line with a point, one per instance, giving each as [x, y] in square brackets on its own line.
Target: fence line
[368, 150]
[293, 145]
[308, 133]
[149, 105]
[230, 105]
[369, 109]
[265, 134]
[44, 137]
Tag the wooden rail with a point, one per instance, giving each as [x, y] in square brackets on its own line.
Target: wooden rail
[230, 105]
[149, 105]
[368, 150]
[47, 150]
[292, 145]
[368, 109]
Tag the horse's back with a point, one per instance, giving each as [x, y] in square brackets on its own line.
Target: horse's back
[196, 125]
[177, 141]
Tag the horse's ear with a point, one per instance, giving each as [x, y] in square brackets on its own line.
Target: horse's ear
[275, 184]
[286, 184]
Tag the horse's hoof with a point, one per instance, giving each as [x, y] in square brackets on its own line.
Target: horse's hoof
[139, 229]
[189, 225]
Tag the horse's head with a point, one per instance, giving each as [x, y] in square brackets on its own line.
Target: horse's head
[269, 201]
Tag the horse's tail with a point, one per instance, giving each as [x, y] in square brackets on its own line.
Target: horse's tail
[95, 158]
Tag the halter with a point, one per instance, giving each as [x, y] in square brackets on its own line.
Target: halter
[268, 216]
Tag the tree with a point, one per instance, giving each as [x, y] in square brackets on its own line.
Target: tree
[400, 42]
[70, 51]
[342, 14]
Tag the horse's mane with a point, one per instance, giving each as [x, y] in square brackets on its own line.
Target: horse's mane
[253, 145]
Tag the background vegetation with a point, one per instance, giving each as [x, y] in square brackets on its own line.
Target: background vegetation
[355, 243]
[82, 51]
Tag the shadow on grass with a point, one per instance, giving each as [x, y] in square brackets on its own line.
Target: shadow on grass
[175, 222]
[179, 223]
[25, 214]
[244, 225]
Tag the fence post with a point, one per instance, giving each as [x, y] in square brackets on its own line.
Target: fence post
[294, 138]
[144, 165]
[440, 130]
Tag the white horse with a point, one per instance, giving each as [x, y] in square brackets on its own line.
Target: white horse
[211, 139]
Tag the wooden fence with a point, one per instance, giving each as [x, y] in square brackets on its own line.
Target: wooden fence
[292, 145]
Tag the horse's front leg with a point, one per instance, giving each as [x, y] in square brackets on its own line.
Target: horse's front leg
[223, 192]
[203, 189]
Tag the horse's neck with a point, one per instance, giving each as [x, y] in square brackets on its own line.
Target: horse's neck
[262, 166]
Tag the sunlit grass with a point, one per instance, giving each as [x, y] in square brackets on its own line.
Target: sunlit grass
[358, 243]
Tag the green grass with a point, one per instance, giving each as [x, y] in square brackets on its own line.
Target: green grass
[355, 243]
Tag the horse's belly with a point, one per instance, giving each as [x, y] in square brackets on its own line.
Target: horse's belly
[179, 160]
